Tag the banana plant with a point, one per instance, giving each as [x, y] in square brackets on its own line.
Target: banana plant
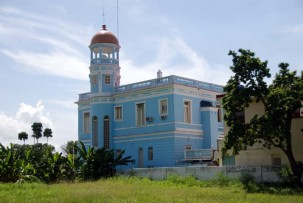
[9, 164]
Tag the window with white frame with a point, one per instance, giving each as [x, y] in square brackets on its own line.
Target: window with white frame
[187, 111]
[94, 80]
[118, 113]
[107, 79]
[86, 123]
[163, 107]
[140, 114]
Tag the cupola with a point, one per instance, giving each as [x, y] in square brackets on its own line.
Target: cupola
[104, 36]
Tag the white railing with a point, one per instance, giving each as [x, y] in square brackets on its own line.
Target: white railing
[170, 80]
[198, 154]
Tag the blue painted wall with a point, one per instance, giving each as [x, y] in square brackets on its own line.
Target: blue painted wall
[84, 137]
[106, 88]
[210, 127]
[102, 110]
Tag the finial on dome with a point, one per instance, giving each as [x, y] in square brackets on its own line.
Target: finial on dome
[103, 27]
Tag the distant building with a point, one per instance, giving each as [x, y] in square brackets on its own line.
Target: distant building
[257, 155]
[166, 121]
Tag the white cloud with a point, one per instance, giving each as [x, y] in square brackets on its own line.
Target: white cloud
[54, 63]
[26, 115]
[44, 45]
[297, 29]
[174, 57]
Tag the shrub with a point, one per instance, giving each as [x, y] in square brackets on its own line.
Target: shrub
[222, 180]
[246, 178]
[286, 176]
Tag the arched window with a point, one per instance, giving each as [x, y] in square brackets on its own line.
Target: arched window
[106, 131]
[95, 131]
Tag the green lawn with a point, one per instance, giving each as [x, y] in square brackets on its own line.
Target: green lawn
[136, 190]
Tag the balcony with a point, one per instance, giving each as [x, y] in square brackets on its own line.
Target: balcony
[198, 155]
[104, 61]
[84, 96]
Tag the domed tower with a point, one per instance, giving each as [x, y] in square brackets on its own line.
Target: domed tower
[104, 77]
[104, 66]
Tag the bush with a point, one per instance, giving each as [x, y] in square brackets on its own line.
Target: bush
[189, 181]
[286, 175]
[222, 180]
[28, 163]
[246, 178]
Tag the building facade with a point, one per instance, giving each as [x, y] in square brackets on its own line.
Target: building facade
[165, 121]
[257, 155]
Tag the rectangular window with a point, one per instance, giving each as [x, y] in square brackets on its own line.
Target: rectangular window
[118, 113]
[219, 113]
[150, 154]
[187, 111]
[86, 123]
[140, 114]
[107, 79]
[94, 80]
[188, 147]
[276, 160]
[163, 107]
[240, 116]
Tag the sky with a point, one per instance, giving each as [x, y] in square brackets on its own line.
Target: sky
[44, 52]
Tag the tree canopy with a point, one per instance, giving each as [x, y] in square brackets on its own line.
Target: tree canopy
[281, 100]
[23, 136]
[70, 147]
[37, 130]
[47, 133]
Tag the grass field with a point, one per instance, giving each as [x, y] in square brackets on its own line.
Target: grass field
[123, 189]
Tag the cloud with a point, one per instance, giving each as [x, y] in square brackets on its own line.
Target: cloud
[174, 57]
[44, 45]
[54, 63]
[62, 56]
[297, 29]
[26, 115]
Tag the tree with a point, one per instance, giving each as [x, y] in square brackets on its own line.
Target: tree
[70, 148]
[37, 130]
[23, 136]
[281, 99]
[47, 133]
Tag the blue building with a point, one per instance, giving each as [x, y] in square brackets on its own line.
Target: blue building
[165, 121]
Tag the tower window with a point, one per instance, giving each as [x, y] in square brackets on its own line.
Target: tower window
[86, 123]
[187, 111]
[107, 79]
[118, 113]
[94, 80]
[140, 114]
[163, 107]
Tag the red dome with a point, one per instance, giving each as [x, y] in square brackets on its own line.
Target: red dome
[104, 36]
